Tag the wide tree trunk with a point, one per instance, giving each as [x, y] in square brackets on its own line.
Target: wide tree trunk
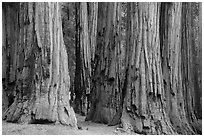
[37, 64]
[143, 107]
[159, 97]
[107, 89]
[175, 63]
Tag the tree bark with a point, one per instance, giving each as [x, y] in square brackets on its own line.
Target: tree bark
[78, 70]
[160, 99]
[86, 29]
[157, 92]
[39, 64]
[173, 61]
[191, 88]
[199, 107]
[107, 89]
[68, 28]
[196, 38]
[143, 108]
[8, 50]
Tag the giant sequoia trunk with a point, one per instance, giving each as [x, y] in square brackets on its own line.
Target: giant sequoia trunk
[177, 106]
[36, 64]
[160, 99]
[143, 108]
[106, 91]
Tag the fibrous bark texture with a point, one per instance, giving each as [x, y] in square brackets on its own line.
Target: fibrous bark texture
[86, 29]
[38, 64]
[161, 99]
[158, 90]
[173, 72]
[106, 90]
[143, 108]
[137, 64]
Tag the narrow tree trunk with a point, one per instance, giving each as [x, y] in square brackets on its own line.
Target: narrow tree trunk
[68, 28]
[199, 107]
[85, 51]
[196, 33]
[78, 70]
[5, 63]
[41, 68]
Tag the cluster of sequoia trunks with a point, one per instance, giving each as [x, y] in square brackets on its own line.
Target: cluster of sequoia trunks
[136, 64]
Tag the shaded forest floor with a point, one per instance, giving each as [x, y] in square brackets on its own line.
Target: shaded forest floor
[87, 128]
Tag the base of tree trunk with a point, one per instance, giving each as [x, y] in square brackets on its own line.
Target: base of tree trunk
[34, 112]
[101, 114]
[155, 122]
